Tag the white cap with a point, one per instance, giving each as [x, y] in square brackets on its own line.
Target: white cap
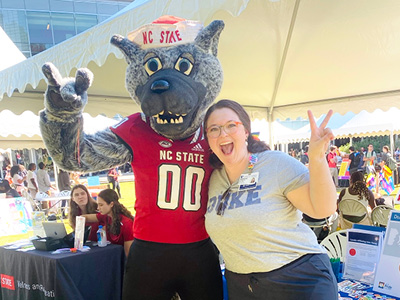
[166, 31]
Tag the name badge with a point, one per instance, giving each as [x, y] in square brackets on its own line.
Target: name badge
[248, 181]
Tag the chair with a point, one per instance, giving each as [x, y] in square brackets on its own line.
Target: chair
[322, 227]
[60, 208]
[36, 205]
[335, 244]
[380, 215]
[349, 210]
[39, 197]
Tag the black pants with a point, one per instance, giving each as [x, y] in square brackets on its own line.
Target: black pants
[155, 271]
[308, 278]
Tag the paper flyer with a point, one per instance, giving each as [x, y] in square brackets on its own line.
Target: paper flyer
[79, 232]
[362, 255]
[343, 171]
[387, 277]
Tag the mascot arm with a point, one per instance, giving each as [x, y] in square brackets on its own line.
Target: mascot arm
[61, 124]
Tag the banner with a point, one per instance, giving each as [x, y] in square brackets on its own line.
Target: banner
[15, 216]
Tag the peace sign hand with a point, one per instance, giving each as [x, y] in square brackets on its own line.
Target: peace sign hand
[320, 136]
[66, 94]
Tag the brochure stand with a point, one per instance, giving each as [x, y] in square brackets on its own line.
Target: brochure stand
[388, 273]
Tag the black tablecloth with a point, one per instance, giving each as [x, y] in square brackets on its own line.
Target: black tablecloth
[96, 274]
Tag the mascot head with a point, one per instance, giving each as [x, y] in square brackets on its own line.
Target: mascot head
[173, 72]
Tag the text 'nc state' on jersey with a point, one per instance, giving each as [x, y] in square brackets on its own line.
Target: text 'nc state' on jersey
[182, 156]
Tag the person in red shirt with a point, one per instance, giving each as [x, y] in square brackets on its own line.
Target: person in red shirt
[332, 163]
[112, 177]
[115, 218]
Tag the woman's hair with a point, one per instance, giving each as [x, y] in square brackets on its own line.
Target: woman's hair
[109, 195]
[358, 185]
[14, 170]
[91, 205]
[30, 166]
[386, 148]
[253, 145]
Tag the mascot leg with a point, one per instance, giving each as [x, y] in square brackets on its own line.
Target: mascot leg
[155, 271]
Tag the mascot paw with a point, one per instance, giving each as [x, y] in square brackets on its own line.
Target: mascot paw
[66, 94]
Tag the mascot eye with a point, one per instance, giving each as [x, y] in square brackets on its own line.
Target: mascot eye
[184, 65]
[152, 65]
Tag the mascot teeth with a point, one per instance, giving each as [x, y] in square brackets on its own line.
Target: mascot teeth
[169, 118]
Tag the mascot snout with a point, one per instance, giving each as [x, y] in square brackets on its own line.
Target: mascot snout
[171, 99]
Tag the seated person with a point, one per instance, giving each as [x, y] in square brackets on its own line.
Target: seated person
[82, 203]
[7, 189]
[115, 218]
[359, 191]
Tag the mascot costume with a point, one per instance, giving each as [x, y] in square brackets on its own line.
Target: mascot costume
[174, 75]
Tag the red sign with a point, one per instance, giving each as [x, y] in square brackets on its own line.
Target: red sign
[7, 281]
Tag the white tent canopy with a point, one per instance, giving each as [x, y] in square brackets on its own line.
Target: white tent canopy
[371, 124]
[303, 133]
[9, 53]
[22, 131]
[279, 57]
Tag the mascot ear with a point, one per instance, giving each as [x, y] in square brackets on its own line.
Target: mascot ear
[128, 48]
[208, 38]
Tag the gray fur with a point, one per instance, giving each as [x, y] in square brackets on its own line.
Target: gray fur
[168, 89]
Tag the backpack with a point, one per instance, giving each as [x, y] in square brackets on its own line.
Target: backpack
[392, 164]
[357, 159]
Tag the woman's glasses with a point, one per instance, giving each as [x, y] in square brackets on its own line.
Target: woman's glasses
[229, 127]
[221, 206]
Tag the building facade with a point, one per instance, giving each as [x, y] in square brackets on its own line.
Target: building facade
[36, 25]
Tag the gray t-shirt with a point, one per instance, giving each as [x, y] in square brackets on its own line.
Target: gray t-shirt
[260, 229]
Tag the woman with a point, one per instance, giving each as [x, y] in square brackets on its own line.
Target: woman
[17, 179]
[253, 212]
[115, 218]
[82, 203]
[33, 187]
[359, 191]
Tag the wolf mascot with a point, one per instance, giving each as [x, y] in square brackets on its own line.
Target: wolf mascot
[174, 75]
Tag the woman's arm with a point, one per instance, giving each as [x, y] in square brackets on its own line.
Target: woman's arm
[127, 247]
[371, 199]
[317, 198]
[90, 218]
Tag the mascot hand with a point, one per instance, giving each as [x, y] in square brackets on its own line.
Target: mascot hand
[66, 94]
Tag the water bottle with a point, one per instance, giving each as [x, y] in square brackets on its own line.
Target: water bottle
[101, 237]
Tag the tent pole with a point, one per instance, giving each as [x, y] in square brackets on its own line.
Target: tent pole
[284, 55]
[270, 130]
[391, 142]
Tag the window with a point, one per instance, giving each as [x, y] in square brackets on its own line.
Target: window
[37, 4]
[107, 8]
[40, 31]
[16, 28]
[61, 6]
[13, 4]
[63, 26]
[85, 7]
[84, 22]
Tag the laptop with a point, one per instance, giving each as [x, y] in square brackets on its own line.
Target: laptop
[54, 229]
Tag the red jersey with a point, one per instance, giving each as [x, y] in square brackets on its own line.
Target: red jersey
[171, 182]
[126, 231]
